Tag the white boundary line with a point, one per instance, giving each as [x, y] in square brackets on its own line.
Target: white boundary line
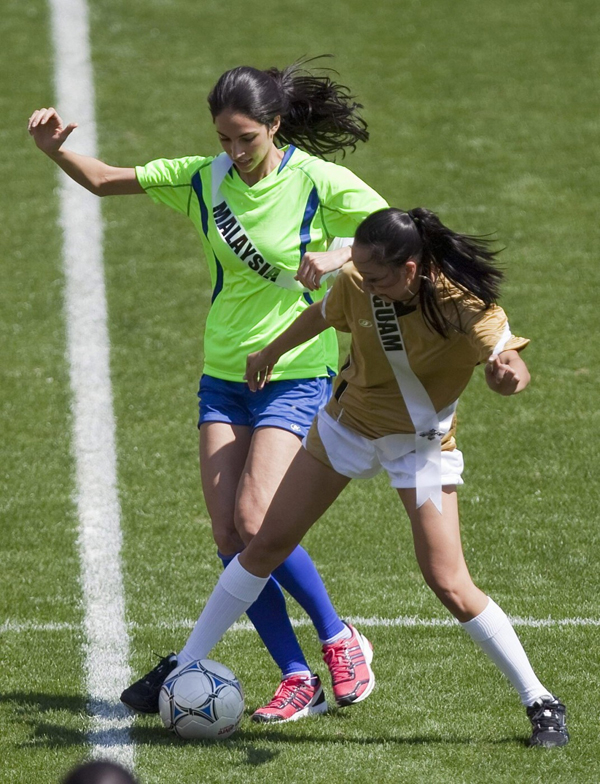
[107, 649]
[407, 621]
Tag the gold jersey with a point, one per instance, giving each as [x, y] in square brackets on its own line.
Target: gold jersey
[366, 397]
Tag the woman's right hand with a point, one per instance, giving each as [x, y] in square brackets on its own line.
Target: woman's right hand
[259, 369]
[48, 130]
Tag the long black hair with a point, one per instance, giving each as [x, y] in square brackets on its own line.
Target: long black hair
[395, 236]
[317, 114]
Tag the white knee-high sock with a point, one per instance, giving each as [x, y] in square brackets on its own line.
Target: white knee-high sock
[493, 632]
[236, 590]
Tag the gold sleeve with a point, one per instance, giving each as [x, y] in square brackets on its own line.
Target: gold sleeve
[490, 332]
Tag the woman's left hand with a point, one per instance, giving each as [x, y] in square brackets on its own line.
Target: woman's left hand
[314, 265]
[506, 373]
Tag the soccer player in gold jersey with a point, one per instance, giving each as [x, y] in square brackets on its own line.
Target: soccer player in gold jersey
[420, 302]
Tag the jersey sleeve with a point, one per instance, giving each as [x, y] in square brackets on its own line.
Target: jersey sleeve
[345, 199]
[336, 303]
[489, 333]
[170, 181]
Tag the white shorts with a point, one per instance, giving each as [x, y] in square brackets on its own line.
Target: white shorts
[357, 457]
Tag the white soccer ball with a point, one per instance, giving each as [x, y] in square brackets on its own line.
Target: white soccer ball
[202, 700]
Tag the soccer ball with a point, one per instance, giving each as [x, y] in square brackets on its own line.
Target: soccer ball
[202, 699]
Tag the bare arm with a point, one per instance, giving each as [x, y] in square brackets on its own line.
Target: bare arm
[506, 373]
[49, 133]
[259, 365]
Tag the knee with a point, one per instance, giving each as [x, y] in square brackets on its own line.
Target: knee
[227, 540]
[266, 552]
[453, 590]
[247, 524]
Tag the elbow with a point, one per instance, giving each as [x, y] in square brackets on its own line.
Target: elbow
[525, 379]
[102, 187]
[107, 181]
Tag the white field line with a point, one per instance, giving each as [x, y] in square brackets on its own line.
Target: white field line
[408, 621]
[107, 647]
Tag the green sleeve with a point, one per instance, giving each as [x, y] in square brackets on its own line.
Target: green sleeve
[170, 181]
[345, 199]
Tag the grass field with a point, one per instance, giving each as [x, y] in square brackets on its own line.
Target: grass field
[487, 113]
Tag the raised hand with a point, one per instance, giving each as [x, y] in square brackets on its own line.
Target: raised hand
[48, 130]
[506, 373]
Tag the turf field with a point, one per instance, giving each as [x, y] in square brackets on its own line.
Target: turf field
[487, 113]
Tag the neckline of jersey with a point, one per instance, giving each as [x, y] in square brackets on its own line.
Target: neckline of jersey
[267, 181]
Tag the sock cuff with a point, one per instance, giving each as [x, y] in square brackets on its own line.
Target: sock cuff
[487, 624]
[225, 559]
[240, 583]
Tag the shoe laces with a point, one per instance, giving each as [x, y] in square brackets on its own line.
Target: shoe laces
[337, 658]
[547, 714]
[287, 689]
[161, 670]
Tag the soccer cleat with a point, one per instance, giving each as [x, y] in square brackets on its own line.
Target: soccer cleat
[349, 664]
[295, 698]
[142, 696]
[548, 719]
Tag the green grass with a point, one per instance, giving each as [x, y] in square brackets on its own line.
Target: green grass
[486, 112]
[42, 702]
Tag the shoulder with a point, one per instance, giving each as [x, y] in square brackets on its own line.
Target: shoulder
[467, 312]
[349, 280]
[322, 172]
[351, 275]
[454, 297]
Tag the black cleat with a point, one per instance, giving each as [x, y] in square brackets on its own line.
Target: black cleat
[548, 719]
[142, 696]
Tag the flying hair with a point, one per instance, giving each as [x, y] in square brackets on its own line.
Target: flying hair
[394, 236]
[318, 114]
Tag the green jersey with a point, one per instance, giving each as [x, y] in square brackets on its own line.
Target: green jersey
[250, 236]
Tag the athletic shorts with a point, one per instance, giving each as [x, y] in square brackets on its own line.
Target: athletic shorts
[289, 404]
[357, 457]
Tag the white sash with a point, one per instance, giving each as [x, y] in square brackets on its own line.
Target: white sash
[430, 426]
[239, 241]
[237, 238]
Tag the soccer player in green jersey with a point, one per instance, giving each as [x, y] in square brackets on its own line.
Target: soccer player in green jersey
[267, 210]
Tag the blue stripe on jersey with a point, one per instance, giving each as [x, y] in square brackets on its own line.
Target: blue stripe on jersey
[197, 186]
[312, 205]
[219, 284]
[288, 154]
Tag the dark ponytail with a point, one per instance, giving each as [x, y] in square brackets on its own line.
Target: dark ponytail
[317, 114]
[395, 236]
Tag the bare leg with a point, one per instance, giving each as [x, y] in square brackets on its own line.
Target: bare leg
[305, 493]
[223, 453]
[269, 453]
[440, 555]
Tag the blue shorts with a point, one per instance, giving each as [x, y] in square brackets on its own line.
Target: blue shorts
[290, 404]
